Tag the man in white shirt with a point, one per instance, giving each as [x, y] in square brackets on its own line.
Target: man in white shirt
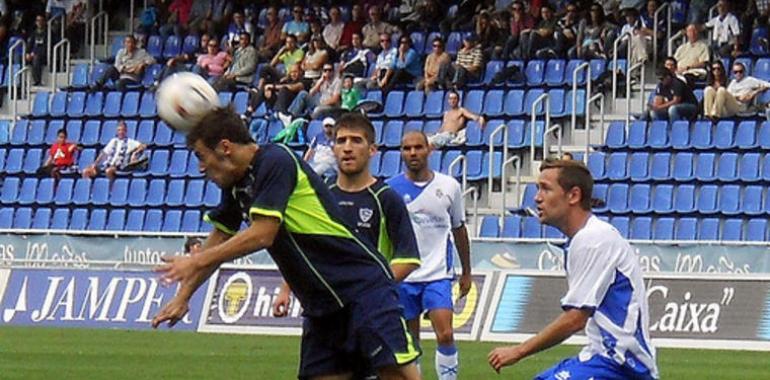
[121, 154]
[737, 98]
[726, 31]
[384, 65]
[436, 209]
[693, 55]
[606, 294]
[333, 30]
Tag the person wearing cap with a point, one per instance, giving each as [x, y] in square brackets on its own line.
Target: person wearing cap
[468, 64]
[673, 99]
[320, 155]
[324, 97]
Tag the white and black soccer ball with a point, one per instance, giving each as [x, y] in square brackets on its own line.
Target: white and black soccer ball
[183, 99]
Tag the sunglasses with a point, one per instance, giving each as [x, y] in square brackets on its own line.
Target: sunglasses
[737, 71]
[436, 45]
[327, 69]
[385, 40]
[404, 42]
[716, 68]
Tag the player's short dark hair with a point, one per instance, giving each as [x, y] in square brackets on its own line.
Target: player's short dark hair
[672, 59]
[573, 174]
[219, 124]
[357, 122]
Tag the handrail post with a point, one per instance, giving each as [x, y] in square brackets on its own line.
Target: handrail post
[464, 174]
[98, 17]
[615, 63]
[673, 38]
[15, 96]
[546, 145]
[131, 17]
[640, 66]
[473, 190]
[517, 161]
[664, 6]
[583, 66]
[49, 31]
[542, 98]
[490, 178]
[64, 46]
[590, 100]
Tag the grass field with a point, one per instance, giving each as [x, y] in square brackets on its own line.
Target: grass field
[45, 353]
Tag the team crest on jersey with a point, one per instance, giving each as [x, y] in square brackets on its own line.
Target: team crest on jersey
[365, 214]
[439, 193]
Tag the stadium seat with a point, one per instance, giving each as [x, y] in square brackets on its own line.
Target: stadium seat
[145, 131]
[748, 171]
[496, 169]
[413, 126]
[27, 191]
[434, 104]
[394, 104]
[191, 220]
[490, 128]
[45, 190]
[172, 47]
[511, 227]
[572, 64]
[100, 192]
[63, 194]
[392, 132]
[723, 136]
[516, 134]
[622, 224]
[119, 192]
[490, 227]
[3, 153]
[14, 161]
[761, 69]
[513, 104]
[6, 217]
[531, 228]
[240, 101]
[156, 193]
[493, 67]
[130, 107]
[554, 73]
[641, 228]
[732, 229]
[74, 128]
[686, 229]
[97, 219]
[680, 135]
[702, 138]
[638, 167]
[454, 42]
[60, 219]
[639, 199]
[756, 230]
[153, 220]
[529, 101]
[704, 167]
[446, 161]
[112, 104]
[660, 169]
[94, 104]
[212, 195]
[413, 104]
[40, 104]
[79, 219]
[175, 193]
[108, 131]
[596, 165]
[473, 101]
[616, 135]
[137, 192]
[617, 198]
[684, 199]
[727, 167]
[52, 131]
[434, 160]
[616, 166]
[10, 191]
[683, 167]
[190, 44]
[135, 220]
[662, 199]
[155, 47]
[663, 229]
[707, 199]
[746, 135]
[193, 169]
[163, 134]
[637, 135]
[557, 102]
[534, 72]
[22, 219]
[391, 164]
[528, 199]
[708, 229]
[751, 201]
[86, 157]
[19, 134]
[657, 136]
[116, 221]
[32, 161]
[81, 193]
[177, 167]
[172, 221]
[729, 199]
[79, 76]
[36, 132]
[194, 194]
[59, 104]
[147, 106]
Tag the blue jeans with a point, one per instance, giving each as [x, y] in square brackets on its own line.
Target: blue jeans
[682, 111]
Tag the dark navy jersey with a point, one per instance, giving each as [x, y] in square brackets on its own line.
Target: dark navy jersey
[378, 215]
[324, 262]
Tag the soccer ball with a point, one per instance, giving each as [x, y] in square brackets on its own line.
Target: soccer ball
[184, 99]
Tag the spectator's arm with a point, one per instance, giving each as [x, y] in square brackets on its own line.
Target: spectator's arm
[316, 86]
[250, 57]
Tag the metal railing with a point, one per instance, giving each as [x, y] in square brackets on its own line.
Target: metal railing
[103, 20]
[590, 100]
[587, 67]
[475, 192]
[623, 37]
[540, 99]
[16, 83]
[547, 146]
[670, 42]
[50, 34]
[503, 128]
[66, 51]
[667, 8]
[464, 173]
[12, 93]
[512, 160]
[629, 90]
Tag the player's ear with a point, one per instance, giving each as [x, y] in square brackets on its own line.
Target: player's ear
[372, 150]
[224, 147]
[575, 196]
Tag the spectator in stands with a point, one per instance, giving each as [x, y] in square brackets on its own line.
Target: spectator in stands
[697, 11]
[354, 61]
[333, 30]
[737, 98]
[289, 54]
[755, 14]
[519, 21]
[375, 28]
[454, 122]
[633, 29]
[122, 154]
[237, 26]
[323, 98]
[149, 20]
[271, 36]
[219, 15]
[199, 13]
[671, 65]
[279, 96]
[467, 65]
[693, 55]
[429, 17]
[315, 59]
[130, 63]
[436, 66]
[726, 32]
[61, 156]
[192, 246]
[408, 68]
[717, 83]
[490, 38]
[319, 155]
[540, 42]
[36, 46]
[349, 94]
[353, 26]
[179, 15]
[648, 24]
[594, 34]
[75, 27]
[242, 68]
[212, 64]
[567, 156]
[179, 63]
[673, 99]
[384, 65]
[297, 26]
[566, 33]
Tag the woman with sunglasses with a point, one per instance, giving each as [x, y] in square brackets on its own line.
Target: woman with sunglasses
[214, 63]
[717, 84]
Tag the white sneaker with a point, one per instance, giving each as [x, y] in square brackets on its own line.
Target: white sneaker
[284, 118]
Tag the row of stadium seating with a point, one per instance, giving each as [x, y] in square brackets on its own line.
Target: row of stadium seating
[150, 220]
[680, 167]
[701, 135]
[637, 228]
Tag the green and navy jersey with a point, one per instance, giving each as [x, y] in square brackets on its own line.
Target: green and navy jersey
[378, 215]
[324, 262]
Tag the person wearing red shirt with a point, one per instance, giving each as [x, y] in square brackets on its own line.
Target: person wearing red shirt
[61, 156]
[356, 23]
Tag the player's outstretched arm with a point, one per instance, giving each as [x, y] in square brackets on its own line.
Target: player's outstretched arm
[568, 323]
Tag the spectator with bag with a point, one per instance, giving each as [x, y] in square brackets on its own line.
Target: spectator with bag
[61, 156]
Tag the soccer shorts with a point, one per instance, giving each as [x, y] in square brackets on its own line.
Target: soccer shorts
[598, 367]
[367, 333]
[417, 297]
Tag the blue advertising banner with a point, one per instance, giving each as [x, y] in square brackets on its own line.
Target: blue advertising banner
[86, 298]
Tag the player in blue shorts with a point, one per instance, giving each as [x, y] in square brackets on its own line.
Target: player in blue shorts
[345, 286]
[436, 209]
[606, 295]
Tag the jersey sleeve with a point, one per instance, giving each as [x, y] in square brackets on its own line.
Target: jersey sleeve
[399, 229]
[588, 275]
[273, 184]
[457, 209]
[226, 217]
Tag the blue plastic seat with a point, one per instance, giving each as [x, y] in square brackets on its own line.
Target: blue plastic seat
[529, 101]
[45, 190]
[79, 219]
[59, 105]
[756, 230]
[680, 135]
[516, 134]
[732, 229]
[531, 228]
[119, 192]
[6, 217]
[765, 167]
[112, 104]
[19, 134]
[557, 102]
[190, 44]
[240, 101]
[641, 228]
[751, 201]
[42, 219]
[705, 167]
[490, 128]
[637, 135]
[413, 126]
[729, 196]
[175, 193]
[490, 227]
[108, 131]
[116, 221]
[761, 69]
[708, 229]
[177, 167]
[63, 195]
[638, 166]
[723, 136]
[660, 169]
[22, 218]
[51, 131]
[137, 191]
[191, 220]
[172, 221]
[159, 164]
[194, 194]
[686, 229]
[40, 104]
[616, 135]
[657, 136]
[702, 137]
[493, 67]
[684, 199]
[172, 47]
[707, 199]
[60, 219]
[153, 220]
[746, 135]
[193, 170]
[14, 161]
[663, 199]
[511, 227]
[155, 46]
[36, 132]
[622, 224]
[94, 104]
[683, 167]
[748, 171]
[10, 190]
[97, 219]
[147, 106]
[135, 220]
[433, 107]
[394, 104]
[554, 72]
[156, 193]
[727, 167]
[392, 133]
[616, 166]
[596, 165]
[27, 191]
[473, 101]
[163, 134]
[639, 199]
[513, 104]
[496, 167]
[32, 161]
[391, 164]
[100, 192]
[617, 198]
[81, 193]
[74, 128]
[86, 157]
[213, 194]
[145, 131]
[3, 153]
[79, 76]
[535, 72]
[130, 107]
[413, 104]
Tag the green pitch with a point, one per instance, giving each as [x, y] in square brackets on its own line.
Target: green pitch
[45, 353]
